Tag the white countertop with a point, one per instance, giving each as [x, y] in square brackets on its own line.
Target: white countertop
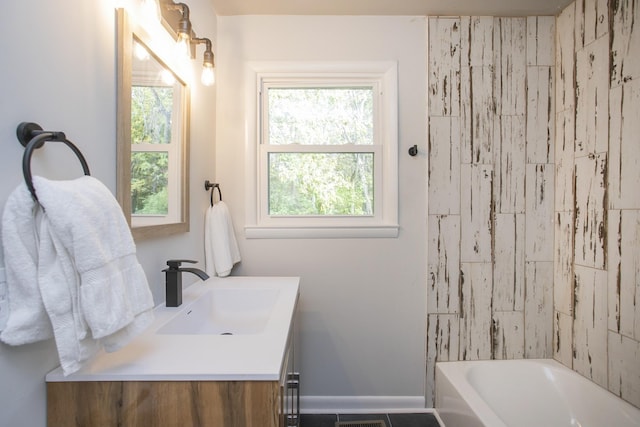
[158, 357]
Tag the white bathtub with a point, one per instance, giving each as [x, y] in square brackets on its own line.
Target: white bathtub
[525, 393]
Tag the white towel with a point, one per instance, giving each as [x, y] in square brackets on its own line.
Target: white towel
[28, 321]
[220, 246]
[91, 284]
[59, 285]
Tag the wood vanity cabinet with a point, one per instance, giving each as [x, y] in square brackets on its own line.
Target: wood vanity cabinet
[163, 403]
[176, 403]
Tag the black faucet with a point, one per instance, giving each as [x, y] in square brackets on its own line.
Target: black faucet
[173, 283]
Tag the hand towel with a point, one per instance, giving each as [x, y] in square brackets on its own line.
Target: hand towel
[28, 321]
[221, 248]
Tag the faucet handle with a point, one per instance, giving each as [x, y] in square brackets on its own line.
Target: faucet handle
[175, 263]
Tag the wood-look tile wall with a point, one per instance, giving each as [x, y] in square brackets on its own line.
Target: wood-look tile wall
[491, 189]
[597, 203]
[534, 211]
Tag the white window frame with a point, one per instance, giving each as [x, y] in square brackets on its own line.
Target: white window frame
[382, 75]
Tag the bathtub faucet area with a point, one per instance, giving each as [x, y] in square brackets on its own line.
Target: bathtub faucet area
[173, 282]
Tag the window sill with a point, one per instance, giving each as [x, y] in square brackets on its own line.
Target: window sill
[382, 231]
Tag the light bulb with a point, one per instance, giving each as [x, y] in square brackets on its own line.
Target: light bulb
[208, 77]
[183, 47]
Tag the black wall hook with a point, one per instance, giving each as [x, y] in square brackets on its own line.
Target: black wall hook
[413, 151]
[208, 185]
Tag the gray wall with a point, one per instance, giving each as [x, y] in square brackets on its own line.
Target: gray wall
[362, 307]
[58, 69]
[362, 321]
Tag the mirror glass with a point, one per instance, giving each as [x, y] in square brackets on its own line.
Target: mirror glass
[153, 131]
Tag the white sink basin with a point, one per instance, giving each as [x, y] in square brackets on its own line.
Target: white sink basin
[230, 311]
[186, 343]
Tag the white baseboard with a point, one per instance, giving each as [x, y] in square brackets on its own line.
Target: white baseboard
[362, 404]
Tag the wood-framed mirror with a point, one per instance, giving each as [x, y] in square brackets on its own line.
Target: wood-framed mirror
[153, 112]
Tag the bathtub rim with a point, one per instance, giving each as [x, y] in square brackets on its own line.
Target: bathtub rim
[456, 380]
[472, 409]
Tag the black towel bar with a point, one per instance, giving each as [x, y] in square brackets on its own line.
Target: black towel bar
[211, 186]
[31, 136]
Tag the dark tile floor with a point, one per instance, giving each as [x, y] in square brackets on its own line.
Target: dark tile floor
[392, 420]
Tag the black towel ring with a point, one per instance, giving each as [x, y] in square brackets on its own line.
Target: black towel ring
[31, 136]
[211, 186]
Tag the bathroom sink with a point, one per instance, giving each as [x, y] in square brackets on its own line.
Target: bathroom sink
[224, 311]
[190, 342]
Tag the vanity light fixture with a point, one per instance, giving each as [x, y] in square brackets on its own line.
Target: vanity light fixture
[208, 77]
[183, 31]
[187, 40]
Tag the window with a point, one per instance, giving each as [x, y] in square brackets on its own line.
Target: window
[326, 151]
